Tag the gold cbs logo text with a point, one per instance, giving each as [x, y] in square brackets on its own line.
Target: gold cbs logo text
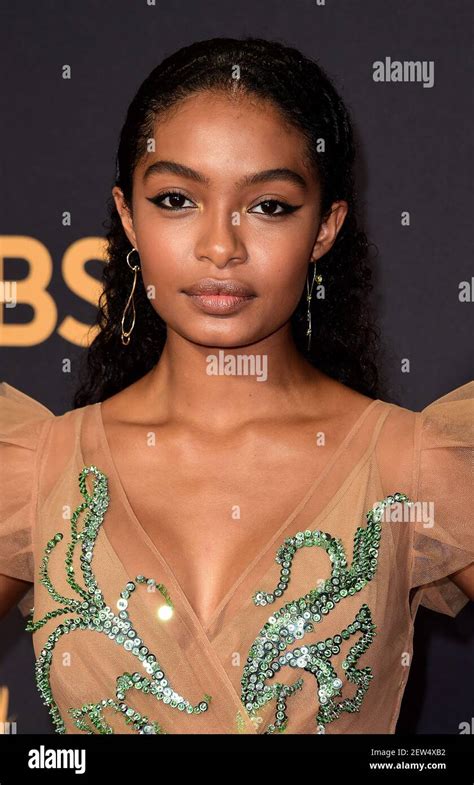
[33, 290]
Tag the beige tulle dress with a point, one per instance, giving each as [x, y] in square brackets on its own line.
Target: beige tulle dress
[316, 634]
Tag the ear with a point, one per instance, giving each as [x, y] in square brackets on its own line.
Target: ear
[329, 229]
[125, 215]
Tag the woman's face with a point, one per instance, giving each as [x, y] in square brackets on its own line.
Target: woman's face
[244, 208]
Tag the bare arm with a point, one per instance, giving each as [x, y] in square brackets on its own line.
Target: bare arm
[465, 580]
[11, 592]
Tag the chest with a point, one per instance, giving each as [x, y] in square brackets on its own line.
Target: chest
[211, 505]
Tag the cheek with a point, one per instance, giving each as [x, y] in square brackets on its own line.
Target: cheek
[277, 264]
[282, 274]
[159, 240]
[164, 256]
[283, 257]
[290, 289]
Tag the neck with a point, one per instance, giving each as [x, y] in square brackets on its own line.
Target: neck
[225, 387]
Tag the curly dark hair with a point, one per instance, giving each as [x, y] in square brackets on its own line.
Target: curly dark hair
[346, 342]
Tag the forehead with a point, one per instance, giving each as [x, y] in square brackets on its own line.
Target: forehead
[226, 135]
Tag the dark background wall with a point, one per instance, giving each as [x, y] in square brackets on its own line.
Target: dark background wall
[58, 141]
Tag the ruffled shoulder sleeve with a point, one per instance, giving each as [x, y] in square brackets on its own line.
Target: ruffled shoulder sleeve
[443, 534]
[22, 424]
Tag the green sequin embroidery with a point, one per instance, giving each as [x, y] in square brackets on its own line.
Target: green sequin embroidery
[92, 613]
[265, 658]
[290, 622]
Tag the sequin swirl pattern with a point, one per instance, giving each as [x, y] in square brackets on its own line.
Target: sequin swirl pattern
[292, 621]
[91, 613]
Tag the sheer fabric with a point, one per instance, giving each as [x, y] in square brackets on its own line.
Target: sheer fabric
[346, 683]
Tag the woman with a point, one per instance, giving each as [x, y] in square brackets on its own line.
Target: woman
[229, 448]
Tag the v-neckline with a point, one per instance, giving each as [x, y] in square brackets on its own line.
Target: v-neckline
[151, 545]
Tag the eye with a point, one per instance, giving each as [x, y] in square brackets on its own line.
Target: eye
[175, 197]
[271, 203]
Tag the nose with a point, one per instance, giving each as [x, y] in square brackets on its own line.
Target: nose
[219, 240]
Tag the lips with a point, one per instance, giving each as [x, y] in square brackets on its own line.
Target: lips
[214, 286]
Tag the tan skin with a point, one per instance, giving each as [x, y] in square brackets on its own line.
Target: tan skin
[223, 441]
[229, 436]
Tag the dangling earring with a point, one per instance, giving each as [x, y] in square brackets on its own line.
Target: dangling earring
[309, 293]
[126, 335]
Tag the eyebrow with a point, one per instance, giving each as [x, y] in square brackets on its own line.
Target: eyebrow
[172, 167]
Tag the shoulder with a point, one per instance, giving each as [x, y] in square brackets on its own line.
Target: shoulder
[448, 421]
[22, 418]
[336, 401]
[34, 440]
[22, 422]
[394, 429]
[450, 416]
[445, 421]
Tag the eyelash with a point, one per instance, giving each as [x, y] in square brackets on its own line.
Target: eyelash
[287, 208]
